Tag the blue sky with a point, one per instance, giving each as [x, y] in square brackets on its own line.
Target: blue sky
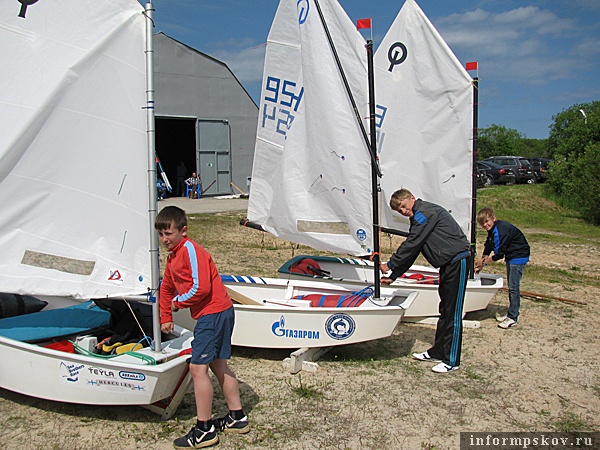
[536, 57]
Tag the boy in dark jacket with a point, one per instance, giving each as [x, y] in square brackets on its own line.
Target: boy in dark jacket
[508, 243]
[435, 233]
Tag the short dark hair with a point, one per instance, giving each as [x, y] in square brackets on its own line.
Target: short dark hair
[170, 215]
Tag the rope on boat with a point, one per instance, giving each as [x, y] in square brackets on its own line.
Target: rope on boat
[147, 359]
[145, 337]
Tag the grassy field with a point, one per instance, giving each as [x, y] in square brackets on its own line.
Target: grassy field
[242, 250]
[527, 207]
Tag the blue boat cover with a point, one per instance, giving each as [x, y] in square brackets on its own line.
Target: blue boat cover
[54, 323]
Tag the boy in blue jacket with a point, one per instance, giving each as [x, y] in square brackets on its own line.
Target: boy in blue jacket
[508, 243]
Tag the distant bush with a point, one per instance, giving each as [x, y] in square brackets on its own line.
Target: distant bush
[497, 140]
[574, 174]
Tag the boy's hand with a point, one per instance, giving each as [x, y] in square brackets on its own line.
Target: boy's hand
[479, 263]
[383, 267]
[174, 307]
[167, 327]
[386, 280]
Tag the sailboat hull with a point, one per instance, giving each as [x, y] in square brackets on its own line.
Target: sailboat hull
[273, 318]
[356, 273]
[55, 370]
[60, 376]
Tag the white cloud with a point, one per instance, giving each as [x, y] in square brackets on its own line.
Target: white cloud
[588, 47]
[247, 63]
[527, 45]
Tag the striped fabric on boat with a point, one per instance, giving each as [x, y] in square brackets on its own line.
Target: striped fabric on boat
[422, 279]
[350, 300]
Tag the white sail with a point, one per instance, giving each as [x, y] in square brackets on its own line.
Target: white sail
[423, 123]
[311, 173]
[424, 118]
[73, 158]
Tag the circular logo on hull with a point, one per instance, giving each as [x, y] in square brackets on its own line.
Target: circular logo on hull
[340, 326]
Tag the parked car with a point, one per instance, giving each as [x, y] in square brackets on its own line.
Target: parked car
[540, 168]
[518, 165]
[496, 174]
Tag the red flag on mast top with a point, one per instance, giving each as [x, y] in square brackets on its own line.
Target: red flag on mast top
[473, 66]
[364, 24]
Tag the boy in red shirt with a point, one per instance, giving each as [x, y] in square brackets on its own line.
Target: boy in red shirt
[191, 280]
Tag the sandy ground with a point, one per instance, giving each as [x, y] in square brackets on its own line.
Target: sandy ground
[542, 375]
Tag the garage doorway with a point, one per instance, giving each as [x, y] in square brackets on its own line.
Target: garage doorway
[203, 146]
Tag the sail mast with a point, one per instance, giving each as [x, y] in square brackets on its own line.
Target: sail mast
[474, 177]
[152, 197]
[375, 174]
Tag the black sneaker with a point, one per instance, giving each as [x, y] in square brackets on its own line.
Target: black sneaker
[229, 425]
[197, 438]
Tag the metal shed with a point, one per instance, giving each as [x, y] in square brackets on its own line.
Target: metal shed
[205, 119]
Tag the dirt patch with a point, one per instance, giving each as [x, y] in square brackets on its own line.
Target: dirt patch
[542, 375]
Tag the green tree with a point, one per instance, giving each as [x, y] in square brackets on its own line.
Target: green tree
[536, 148]
[498, 140]
[574, 145]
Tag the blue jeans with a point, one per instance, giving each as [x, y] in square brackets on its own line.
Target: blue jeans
[514, 272]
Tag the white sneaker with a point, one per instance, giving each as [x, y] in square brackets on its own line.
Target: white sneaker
[500, 317]
[444, 368]
[424, 357]
[507, 323]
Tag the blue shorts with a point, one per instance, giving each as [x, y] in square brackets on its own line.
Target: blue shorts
[212, 337]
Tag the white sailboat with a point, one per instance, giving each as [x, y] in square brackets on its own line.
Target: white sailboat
[301, 96]
[312, 185]
[78, 194]
[355, 273]
[277, 313]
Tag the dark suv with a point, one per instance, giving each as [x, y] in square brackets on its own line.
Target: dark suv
[540, 168]
[495, 174]
[518, 165]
